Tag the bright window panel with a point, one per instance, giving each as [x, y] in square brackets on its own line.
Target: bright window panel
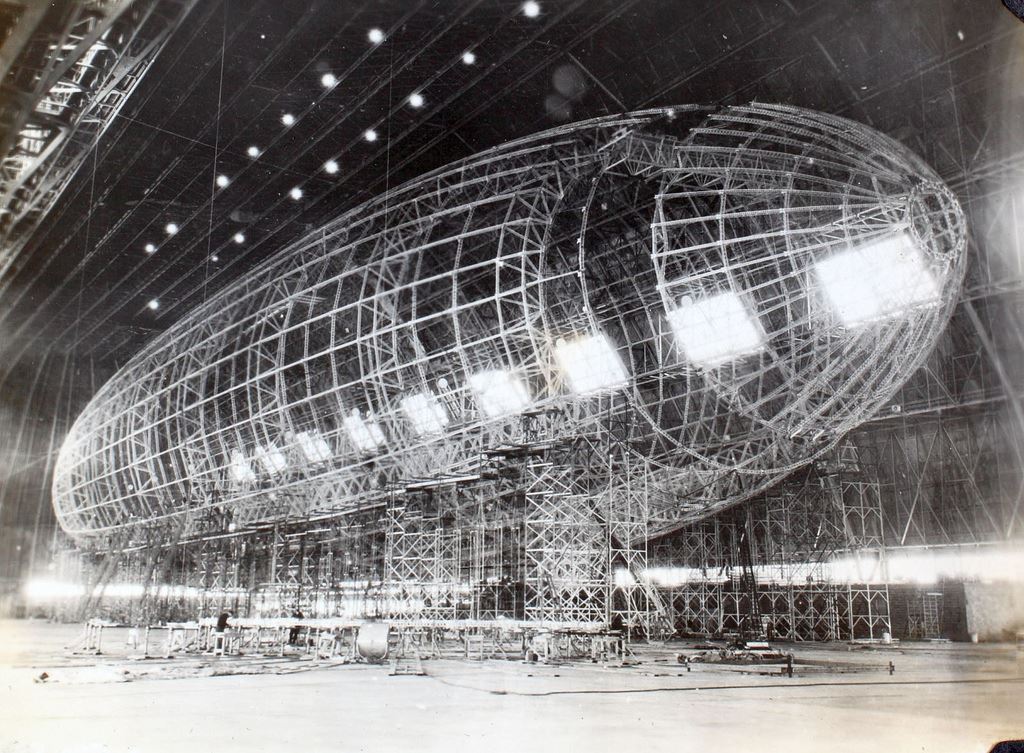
[716, 329]
[314, 448]
[365, 434]
[241, 471]
[877, 280]
[272, 459]
[499, 393]
[590, 364]
[426, 415]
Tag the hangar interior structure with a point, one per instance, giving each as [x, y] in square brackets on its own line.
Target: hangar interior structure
[702, 360]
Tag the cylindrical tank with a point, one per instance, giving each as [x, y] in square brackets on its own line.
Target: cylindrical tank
[372, 640]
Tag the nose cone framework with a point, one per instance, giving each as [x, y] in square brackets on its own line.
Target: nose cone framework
[725, 292]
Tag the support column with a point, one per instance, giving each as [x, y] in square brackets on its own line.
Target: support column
[566, 578]
[421, 571]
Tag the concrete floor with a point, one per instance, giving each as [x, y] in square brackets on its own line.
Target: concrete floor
[941, 698]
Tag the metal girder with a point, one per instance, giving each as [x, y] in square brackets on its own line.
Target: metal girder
[66, 83]
[29, 15]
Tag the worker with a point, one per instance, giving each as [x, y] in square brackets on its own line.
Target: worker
[293, 634]
[222, 621]
[220, 638]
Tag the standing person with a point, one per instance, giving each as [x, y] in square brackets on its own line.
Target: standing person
[222, 621]
[219, 637]
[293, 634]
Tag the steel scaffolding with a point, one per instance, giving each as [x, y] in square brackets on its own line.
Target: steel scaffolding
[422, 560]
[797, 533]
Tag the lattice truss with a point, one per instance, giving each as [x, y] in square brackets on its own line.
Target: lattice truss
[794, 533]
[73, 66]
[567, 572]
[422, 560]
[749, 282]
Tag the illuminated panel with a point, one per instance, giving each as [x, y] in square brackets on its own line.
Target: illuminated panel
[241, 471]
[590, 364]
[499, 393]
[313, 447]
[365, 434]
[715, 329]
[877, 280]
[272, 459]
[425, 413]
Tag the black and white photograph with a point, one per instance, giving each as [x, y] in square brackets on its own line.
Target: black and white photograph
[569, 376]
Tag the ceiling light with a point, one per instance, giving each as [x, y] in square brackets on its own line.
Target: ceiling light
[253, 151]
[715, 329]
[296, 193]
[468, 57]
[365, 434]
[150, 248]
[370, 135]
[499, 393]
[153, 305]
[215, 258]
[376, 36]
[426, 415]
[329, 80]
[222, 181]
[531, 9]
[238, 238]
[416, 99]
[877, 280]
[288, 119]
[590, 363]
[171, 228]
[331, 167]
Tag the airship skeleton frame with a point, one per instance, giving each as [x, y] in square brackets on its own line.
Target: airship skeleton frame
[720, 293]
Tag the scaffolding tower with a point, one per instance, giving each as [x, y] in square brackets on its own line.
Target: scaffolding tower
[816, 567]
